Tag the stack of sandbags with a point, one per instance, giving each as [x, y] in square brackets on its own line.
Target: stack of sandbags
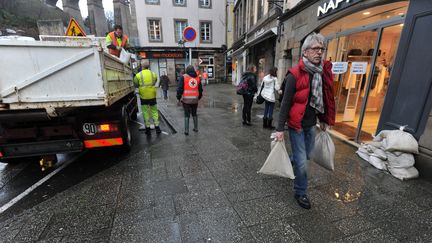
[392, 150]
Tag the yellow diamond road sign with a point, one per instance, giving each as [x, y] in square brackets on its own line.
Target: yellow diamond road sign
[74, 29]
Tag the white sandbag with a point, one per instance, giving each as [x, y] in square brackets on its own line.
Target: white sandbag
[124, 56]
[398, 140]
[379, 153]
[376, 144]
[377, 163]
[324, 151]
[404, 173]
[363, 149]
[363, 155]
[278, 162]
[405, 160]
[369, 149]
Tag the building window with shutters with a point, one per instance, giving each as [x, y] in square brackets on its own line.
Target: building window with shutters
[154, 2]
[154, 30]
[205, 3]
[206, 31]
[179, 26]
[179, 3]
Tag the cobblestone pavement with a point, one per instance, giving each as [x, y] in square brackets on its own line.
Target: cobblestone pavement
[205, 188]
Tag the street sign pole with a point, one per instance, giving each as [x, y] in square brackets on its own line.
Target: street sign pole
[190, 56]
[189, 34]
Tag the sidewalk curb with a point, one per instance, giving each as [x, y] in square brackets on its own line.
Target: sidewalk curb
[168, 119]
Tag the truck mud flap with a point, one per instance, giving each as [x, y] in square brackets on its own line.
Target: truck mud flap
[41, 148]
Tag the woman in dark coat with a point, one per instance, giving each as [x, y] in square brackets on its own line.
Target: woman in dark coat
[164, 85]
[251, 78]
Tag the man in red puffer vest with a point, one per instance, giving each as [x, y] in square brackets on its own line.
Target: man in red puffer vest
[308, 95]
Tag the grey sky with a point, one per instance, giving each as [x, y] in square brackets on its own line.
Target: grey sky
[107, 4]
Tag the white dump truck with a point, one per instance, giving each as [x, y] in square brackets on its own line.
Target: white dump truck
[58, 97]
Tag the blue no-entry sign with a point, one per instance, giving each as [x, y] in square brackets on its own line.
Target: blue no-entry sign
[189, 34]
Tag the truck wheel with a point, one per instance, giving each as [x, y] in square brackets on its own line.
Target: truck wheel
[126, 132]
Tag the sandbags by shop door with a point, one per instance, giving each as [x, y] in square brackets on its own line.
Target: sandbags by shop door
[324, 150]
[404, 173]
[375, 156]
[397, 140]
[404, 160]
[392, 150]
[278, 162]
[377, 163]
[363, 153]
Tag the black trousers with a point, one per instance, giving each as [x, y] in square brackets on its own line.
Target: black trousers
[247, 107]
[190, 108]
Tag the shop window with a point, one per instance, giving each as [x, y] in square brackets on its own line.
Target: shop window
[179, 26]
[154, 30]
[206, 31]
[351, 88]
[355, 49]
[154, 2]
[180, 3]
[205, 3]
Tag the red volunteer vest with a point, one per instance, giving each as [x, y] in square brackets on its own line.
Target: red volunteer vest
[301, 96]
[190, 88]
[114, 41]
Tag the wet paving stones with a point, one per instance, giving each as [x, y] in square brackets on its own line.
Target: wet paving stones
[276, 231]
[205, 188]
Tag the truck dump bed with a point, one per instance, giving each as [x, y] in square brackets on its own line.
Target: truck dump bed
[56, 75]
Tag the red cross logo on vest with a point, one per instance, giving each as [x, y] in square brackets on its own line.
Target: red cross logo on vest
[191, 87]
[193, 83]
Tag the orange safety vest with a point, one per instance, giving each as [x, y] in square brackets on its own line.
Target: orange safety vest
[205, 75]
[113, 37]
[190, 89]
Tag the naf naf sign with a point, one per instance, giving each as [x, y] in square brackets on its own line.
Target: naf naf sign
[329, 7]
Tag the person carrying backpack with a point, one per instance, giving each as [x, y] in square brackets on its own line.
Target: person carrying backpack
[249, 78]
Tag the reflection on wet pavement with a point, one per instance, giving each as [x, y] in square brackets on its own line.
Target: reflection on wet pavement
[347, 197]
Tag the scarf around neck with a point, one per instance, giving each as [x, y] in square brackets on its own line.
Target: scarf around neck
[316, 100]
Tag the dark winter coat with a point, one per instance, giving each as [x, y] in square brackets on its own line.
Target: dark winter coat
[251, 81]
[164, 82]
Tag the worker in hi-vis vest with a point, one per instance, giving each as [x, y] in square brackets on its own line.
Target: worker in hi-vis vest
[147, 81]
[189, 92]
[116, 41]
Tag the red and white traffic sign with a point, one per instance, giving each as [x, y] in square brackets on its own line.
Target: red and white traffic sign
[189, 34]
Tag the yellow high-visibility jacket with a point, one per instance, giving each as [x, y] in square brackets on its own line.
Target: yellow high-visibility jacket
[146, 81]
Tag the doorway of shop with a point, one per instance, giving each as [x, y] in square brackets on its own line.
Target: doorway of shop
[366, 59]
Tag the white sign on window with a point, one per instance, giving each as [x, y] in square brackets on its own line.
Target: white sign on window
[358, 67]
[339, 67]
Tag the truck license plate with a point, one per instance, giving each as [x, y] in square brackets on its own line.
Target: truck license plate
[89, 128]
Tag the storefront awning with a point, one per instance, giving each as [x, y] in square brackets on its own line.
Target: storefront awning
[238, 52]
[262, 37]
